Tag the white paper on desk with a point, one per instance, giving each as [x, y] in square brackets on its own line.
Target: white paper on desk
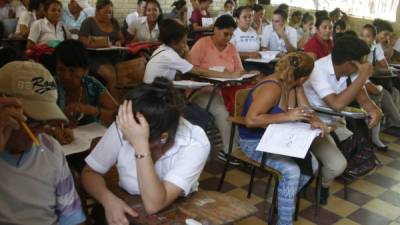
[207, 21]
[269, 55]
[83, 136]
[289, 139]
[243, 77]
[112, 48]
[189, 84]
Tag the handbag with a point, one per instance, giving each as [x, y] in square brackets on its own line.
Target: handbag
[130, 72]
[99, 41]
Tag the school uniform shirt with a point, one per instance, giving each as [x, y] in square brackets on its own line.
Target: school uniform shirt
[271, 40]
[89, 11]
[322, 82]
[181, 165]
[19, 10]
[27, 18]
[377, 50]
[246, 41]
[43, 31]
[131, 17]
[70, 21]
[165, 62]
[319, 47]
[140, 28]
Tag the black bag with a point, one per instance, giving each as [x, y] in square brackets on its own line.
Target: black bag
[197, 115]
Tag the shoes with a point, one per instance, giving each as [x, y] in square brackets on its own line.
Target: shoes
[381, 148]
[224, 157]
[324, 196]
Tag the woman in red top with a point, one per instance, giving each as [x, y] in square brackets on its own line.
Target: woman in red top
[196, 18]
[320, 45]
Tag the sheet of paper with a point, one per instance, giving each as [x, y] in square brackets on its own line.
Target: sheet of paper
[112, 48]
[207, 21]
[290, 139]
[190, 84]
[83, 136]
[243, 77]
[270, 55]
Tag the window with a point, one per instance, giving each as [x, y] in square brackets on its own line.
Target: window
[368, 9]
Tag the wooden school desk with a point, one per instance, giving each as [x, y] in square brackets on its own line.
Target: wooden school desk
[206, 207]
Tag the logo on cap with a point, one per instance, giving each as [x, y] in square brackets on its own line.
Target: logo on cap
[41, 86]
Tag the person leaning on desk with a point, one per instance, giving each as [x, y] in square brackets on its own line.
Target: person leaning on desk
[158, 154]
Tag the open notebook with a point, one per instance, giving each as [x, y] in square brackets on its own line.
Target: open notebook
[83, 136]
[266, 57]
[289, 139]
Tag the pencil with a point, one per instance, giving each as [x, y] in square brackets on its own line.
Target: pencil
[31, 135]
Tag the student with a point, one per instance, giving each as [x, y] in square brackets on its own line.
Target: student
[179, 11]
[86, 8]
[268, 103]
[50, 28]
[196, 18]
[103, 24]
[321, 13]
[284, 7]
[39, 169]
[384, 32]
[259, 22]
[140, 11]
[73, 16]
[295, 19]
[327, 85]
[278, 36]
[376, 57]
[35, 11]
[6, 10]
[321, 44]
[304, 32]
[170, 57]
[83, 98]
[146, 28]
[216, 51]
[339, 27]
[245, 38]
[229, 7]
[158, 154]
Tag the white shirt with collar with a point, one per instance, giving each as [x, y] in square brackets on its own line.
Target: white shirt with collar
[140, 29]
[89, 11]
[323, 82]
[379, 53]
[271, 40]
[165, 62]
[181, 165]
[27, 18]
[43, 31]
[131, 17]
[246, 41]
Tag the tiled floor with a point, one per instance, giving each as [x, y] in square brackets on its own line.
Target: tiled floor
[372, 200]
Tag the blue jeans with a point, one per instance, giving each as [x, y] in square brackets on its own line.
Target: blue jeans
[291, 182]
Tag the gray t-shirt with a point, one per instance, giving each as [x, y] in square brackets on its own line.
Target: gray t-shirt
[41, 190]
[89, 27]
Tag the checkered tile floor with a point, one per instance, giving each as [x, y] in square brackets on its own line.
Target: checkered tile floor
[372, 200]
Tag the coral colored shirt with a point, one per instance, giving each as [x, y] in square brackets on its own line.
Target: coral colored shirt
[205, 54]
[319, 47]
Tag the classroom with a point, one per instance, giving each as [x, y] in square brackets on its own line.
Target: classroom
[244, 112]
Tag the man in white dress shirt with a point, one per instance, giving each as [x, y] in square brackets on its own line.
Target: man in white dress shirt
[278, 36]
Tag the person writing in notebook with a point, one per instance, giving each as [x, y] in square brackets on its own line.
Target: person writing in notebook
[280, 98]
[158, 154]
[37, 186]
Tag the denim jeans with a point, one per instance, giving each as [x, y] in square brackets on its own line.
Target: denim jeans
[291, 182]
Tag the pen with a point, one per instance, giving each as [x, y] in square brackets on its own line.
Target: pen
[31, 135]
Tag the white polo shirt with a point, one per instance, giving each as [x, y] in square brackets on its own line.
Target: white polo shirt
[140, 29]
[322, 82]
[43, 31]
[379, 54]
[181, 165]
[165, 62]
[271, 40]
[27, 18]
[131, 17]
[246, 41]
